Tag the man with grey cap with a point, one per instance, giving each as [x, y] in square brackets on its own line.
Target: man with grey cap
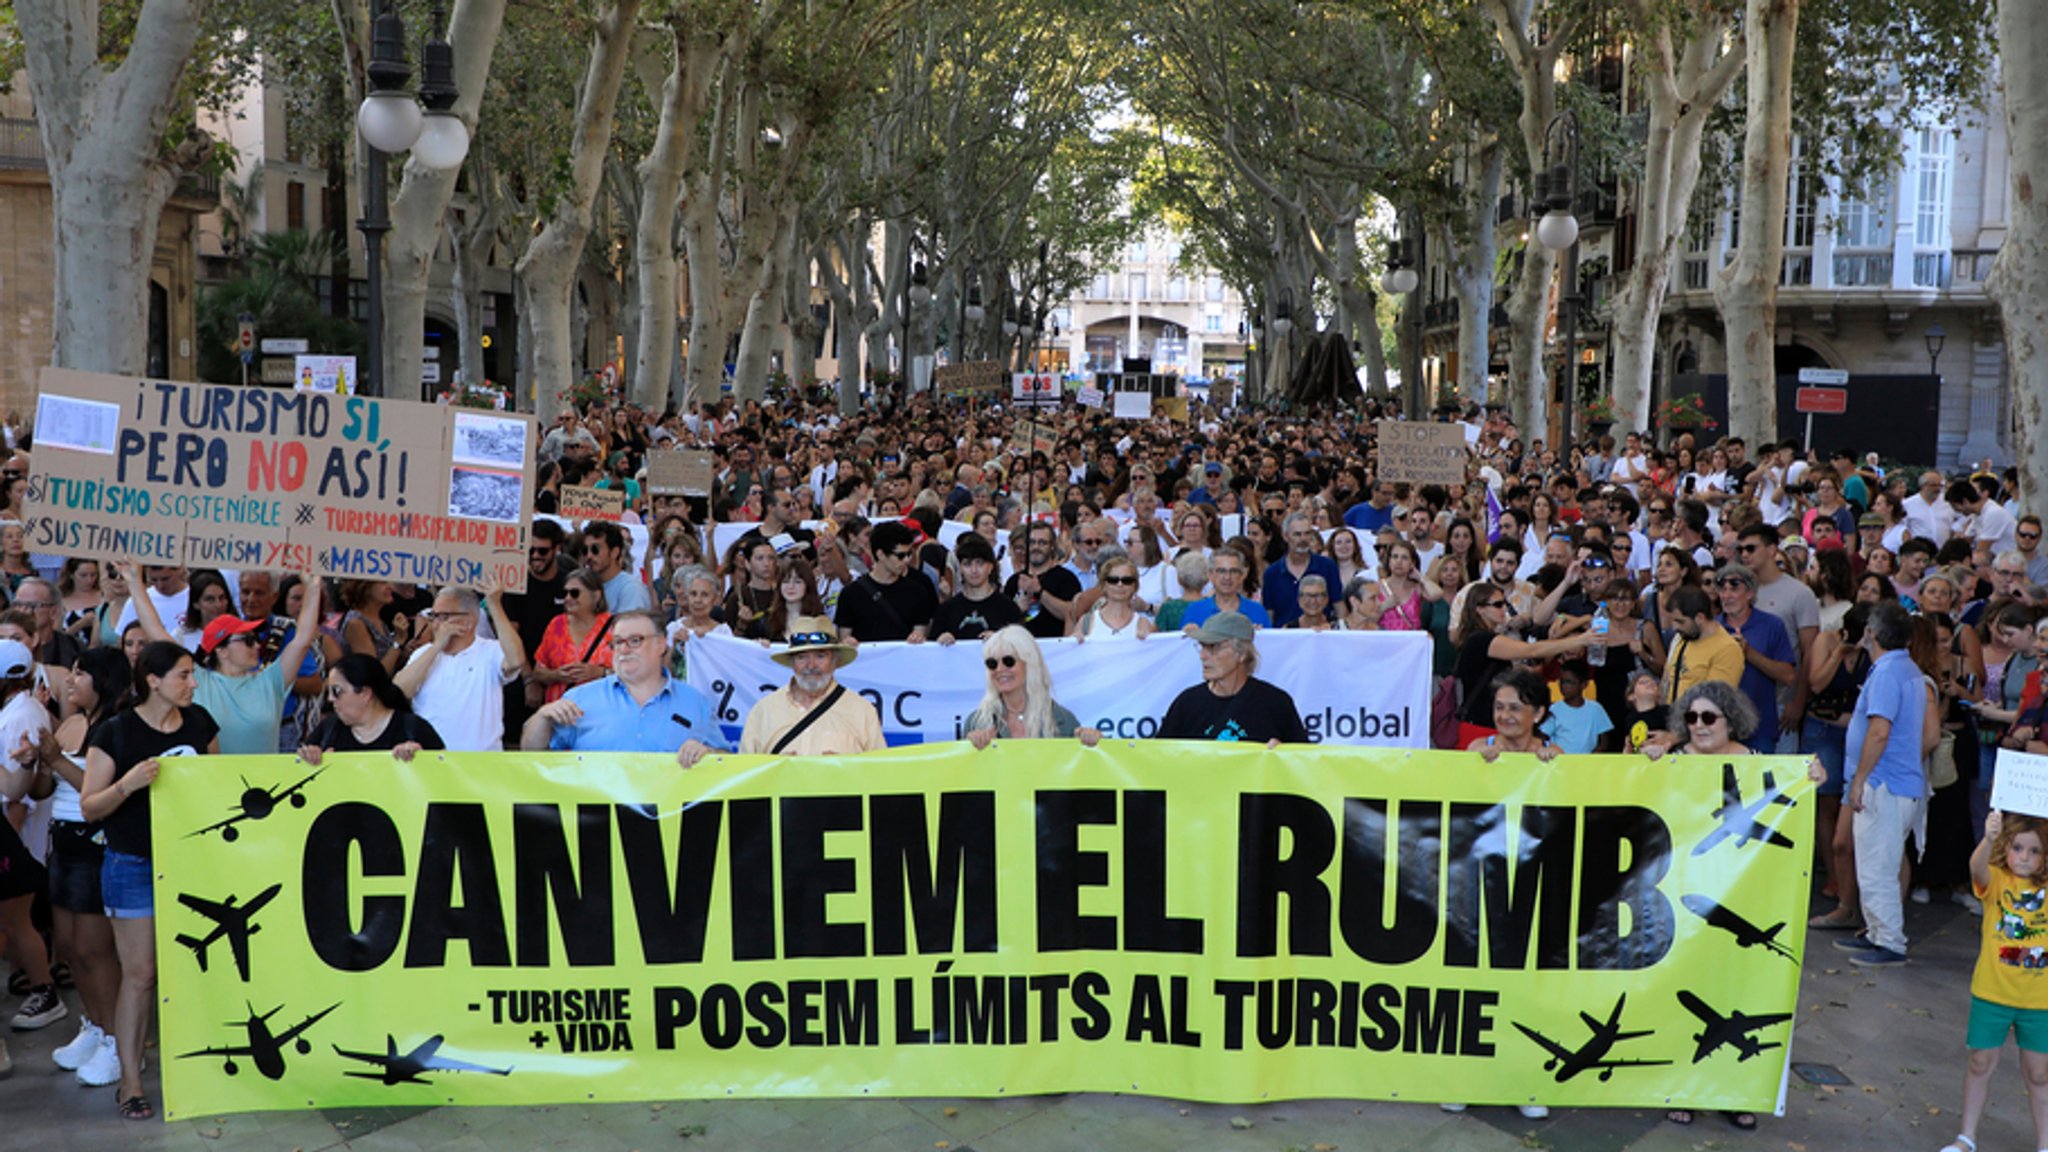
[812, 715]
[1770, 658]
[1231, 704]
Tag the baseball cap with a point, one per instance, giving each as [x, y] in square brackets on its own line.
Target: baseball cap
[1224, 626]
[16, 661]
[223, 627]
[1212, 468]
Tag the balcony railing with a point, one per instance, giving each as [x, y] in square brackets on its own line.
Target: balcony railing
[21, 144]
[21, 150]
[1871, 269]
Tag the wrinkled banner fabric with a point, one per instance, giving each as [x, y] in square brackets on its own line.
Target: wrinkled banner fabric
[1199, 921]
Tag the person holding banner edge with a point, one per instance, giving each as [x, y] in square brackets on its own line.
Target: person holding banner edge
[639, 708]
[1230, 703]
[812, 715]
[1019, 703]
[125, 758]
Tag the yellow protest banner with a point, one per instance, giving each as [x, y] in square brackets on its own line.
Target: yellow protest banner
[1205, 922]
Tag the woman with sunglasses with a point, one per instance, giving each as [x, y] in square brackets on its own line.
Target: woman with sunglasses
[1019, 703]
[1114, 616]
[243, 695]
[370, 715]
[576, 646]
[1713, 718]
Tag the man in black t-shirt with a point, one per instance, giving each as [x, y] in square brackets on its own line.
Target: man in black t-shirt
[891, 602]
[1044, 589]
[532, 609]
[1231, 704]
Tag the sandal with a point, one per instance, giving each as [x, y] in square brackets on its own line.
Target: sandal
[137, 1108]
[1743, 1120]
[1960, 1144]
[1839, 920]
[1683, 1116]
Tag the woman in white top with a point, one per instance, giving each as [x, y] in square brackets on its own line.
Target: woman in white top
[1114, 617]
[1156, 582]
[84, 937]
[1709, 485]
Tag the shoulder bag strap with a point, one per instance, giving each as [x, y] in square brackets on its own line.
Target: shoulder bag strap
[597, 640]
[811, 717]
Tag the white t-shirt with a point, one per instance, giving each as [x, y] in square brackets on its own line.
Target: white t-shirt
[1996, 525]
[1933, 519]
[24, 717]
[463, 696]
[169, 609]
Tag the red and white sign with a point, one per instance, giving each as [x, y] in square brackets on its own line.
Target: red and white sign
[1821, 401]
[1035, 389]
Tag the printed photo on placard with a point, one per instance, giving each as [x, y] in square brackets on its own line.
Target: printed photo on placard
[482, 495]
[492, 441]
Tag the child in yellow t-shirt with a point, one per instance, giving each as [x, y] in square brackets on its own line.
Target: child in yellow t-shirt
[2009, 989]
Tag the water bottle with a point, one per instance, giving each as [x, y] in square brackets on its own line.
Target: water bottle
[1596, 652]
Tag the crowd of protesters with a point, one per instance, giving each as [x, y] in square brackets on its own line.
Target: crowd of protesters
[1707, 597]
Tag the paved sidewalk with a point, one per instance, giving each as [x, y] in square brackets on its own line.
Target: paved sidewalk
[1896, 1035]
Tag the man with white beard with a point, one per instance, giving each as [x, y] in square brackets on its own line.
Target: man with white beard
[813, 714]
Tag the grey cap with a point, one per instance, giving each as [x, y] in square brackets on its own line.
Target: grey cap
[1224, 626]
[1738, 572]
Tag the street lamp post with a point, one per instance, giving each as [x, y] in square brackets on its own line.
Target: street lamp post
[1936, 337]
[1404, 258]
[390, 121]
[1557, 190]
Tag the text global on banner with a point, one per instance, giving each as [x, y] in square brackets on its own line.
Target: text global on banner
[1350, 687]
[1187, 920]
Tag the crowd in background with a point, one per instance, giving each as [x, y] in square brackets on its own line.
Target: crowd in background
[1702, 595]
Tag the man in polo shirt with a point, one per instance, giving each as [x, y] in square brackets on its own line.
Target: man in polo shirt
[782, 722]
[1887, 786]
[639, 708]
[1280, 586]
[456, 679]
[1375, 513]
[1770, 658]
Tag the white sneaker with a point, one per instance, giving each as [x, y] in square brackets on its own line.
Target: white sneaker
[105, 1066]
[1921, 896]
[1969, 901]
[1534, 1112]
[83, 1047]
[1453, 1109]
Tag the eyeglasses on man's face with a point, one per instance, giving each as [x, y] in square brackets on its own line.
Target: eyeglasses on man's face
[630, 641]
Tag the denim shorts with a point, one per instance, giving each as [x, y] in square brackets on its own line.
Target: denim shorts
[1827, 742]
[75, 862]
[1989, 1024]
[126, 886]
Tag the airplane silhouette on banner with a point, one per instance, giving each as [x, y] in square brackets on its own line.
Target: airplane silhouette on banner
[394, 1067]
[1733, 1030]
[264, 1050]
[1590, 1056]
[1742, 821]
[230, 920]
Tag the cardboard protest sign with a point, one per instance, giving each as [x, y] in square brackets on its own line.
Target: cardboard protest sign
[1035, 389]
[1414, 452]
[1024, 432]
[2020, 783]
[688, 472]
[975, 378]
[216, 476]
[580, 503]
[1174, 408]
[1089, 396]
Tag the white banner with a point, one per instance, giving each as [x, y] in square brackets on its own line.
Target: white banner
[1369, 688]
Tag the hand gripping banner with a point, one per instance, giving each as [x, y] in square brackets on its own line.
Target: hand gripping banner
[1198, 921]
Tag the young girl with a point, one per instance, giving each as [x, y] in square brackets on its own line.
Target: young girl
[2009, 990]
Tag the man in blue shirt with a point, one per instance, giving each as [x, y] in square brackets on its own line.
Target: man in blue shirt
[1887, 786]
[1211, 486]
[1279, 589]
[1769, 658]
[640, 708]
[1226, 583]
[1374, 514]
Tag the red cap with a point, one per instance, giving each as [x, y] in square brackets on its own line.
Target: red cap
[224, 626]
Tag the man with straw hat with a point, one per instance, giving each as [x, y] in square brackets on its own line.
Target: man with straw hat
[813, 714]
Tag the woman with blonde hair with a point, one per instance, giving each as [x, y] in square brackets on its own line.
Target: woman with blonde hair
[1019, 703]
